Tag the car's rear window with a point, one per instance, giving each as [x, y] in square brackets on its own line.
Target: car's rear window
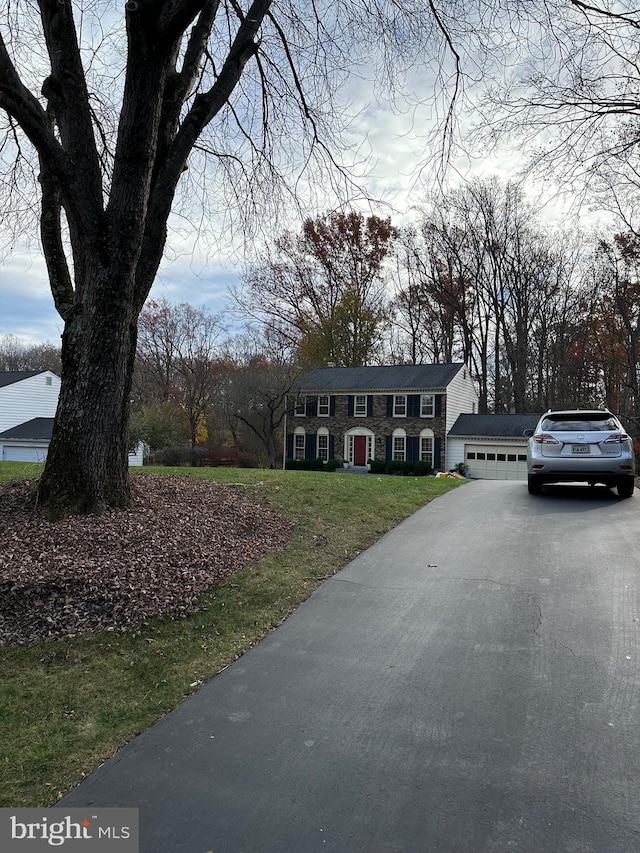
[588, 423]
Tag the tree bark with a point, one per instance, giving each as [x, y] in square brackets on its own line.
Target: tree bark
[87, 464]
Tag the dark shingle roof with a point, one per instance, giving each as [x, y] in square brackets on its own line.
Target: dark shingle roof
[393, 377]
[36, 429]
[11, 376]
[495, 426]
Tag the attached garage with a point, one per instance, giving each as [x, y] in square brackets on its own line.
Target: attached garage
[492, 447]
[499, 461]
[27, 442]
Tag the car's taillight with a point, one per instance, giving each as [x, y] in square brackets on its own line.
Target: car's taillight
[616, 438]
[545, 438]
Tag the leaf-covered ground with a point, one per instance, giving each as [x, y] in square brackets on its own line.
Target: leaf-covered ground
[180, 537]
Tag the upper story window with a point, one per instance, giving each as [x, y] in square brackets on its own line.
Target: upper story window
[323, 406]
[48, 380]
[360, 406]
[427, 405]
[300, 408]
[400, 406]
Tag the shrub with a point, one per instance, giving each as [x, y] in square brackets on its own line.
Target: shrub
[332, 464]
[222, 455]
[422, 469]
[377, 466]
[174, 456]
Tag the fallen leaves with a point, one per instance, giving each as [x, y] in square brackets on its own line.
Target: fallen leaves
[180, 537]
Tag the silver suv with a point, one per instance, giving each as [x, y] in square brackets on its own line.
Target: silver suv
[587, 445]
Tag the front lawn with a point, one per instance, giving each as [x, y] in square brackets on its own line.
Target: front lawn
[66, 705]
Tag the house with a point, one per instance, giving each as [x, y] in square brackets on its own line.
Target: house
[27, 394]
[392, 412]
[27, 442]
[28, 402]
[492, 447]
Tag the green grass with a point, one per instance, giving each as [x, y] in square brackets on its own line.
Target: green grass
[66, 706]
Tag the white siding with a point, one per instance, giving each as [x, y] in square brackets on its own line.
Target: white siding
[29, 398]
[455, 453]
[462, 398]
[136, 457]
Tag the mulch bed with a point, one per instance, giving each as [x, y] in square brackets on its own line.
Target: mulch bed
[180, 537]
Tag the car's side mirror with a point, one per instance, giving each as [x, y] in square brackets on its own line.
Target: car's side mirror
[527, 432]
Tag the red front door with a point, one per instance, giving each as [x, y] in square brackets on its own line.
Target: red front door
[360, 450]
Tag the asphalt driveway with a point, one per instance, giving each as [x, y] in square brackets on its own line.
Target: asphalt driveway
[471, 683]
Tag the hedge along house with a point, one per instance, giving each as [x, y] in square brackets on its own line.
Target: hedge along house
[390, 413]
[493, 447]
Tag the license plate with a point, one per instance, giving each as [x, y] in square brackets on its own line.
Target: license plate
[580, 448]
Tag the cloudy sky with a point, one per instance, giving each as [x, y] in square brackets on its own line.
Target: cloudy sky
[201, 277]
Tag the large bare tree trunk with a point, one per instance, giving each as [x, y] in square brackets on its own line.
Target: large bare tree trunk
[87, 465]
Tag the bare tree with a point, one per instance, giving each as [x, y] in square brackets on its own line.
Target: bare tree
[16, 355]
[109, 123]
[492, 278]
[178, 359]
[324, 288]
[561, 82]
[252, 396]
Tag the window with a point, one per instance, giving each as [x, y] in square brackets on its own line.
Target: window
[481, 457]
[322, 447]
[502, 457]
[522, 457]
[399, 448]
[427, 406]
[360, 406]
[300, 409]
[511, 457]
[399, 445]
[491, 457]
[471, 455]
[426, 446]
[400, 406]
[47, 380]
[426, 449]
[323, 406]
[298, 445]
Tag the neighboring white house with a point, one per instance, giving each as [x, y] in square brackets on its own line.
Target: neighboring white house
[27, 394]
[28, 402]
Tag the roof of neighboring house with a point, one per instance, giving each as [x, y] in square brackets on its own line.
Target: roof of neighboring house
[392, 377]
[11, 376]
[36, 429]
[495, 426]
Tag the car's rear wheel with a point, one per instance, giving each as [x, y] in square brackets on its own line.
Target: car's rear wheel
[534, 485]
[626, 485]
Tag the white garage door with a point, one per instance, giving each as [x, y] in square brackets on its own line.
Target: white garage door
[23, 454]
[496, 461]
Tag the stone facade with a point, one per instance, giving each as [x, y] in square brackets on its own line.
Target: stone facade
[378, 425]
